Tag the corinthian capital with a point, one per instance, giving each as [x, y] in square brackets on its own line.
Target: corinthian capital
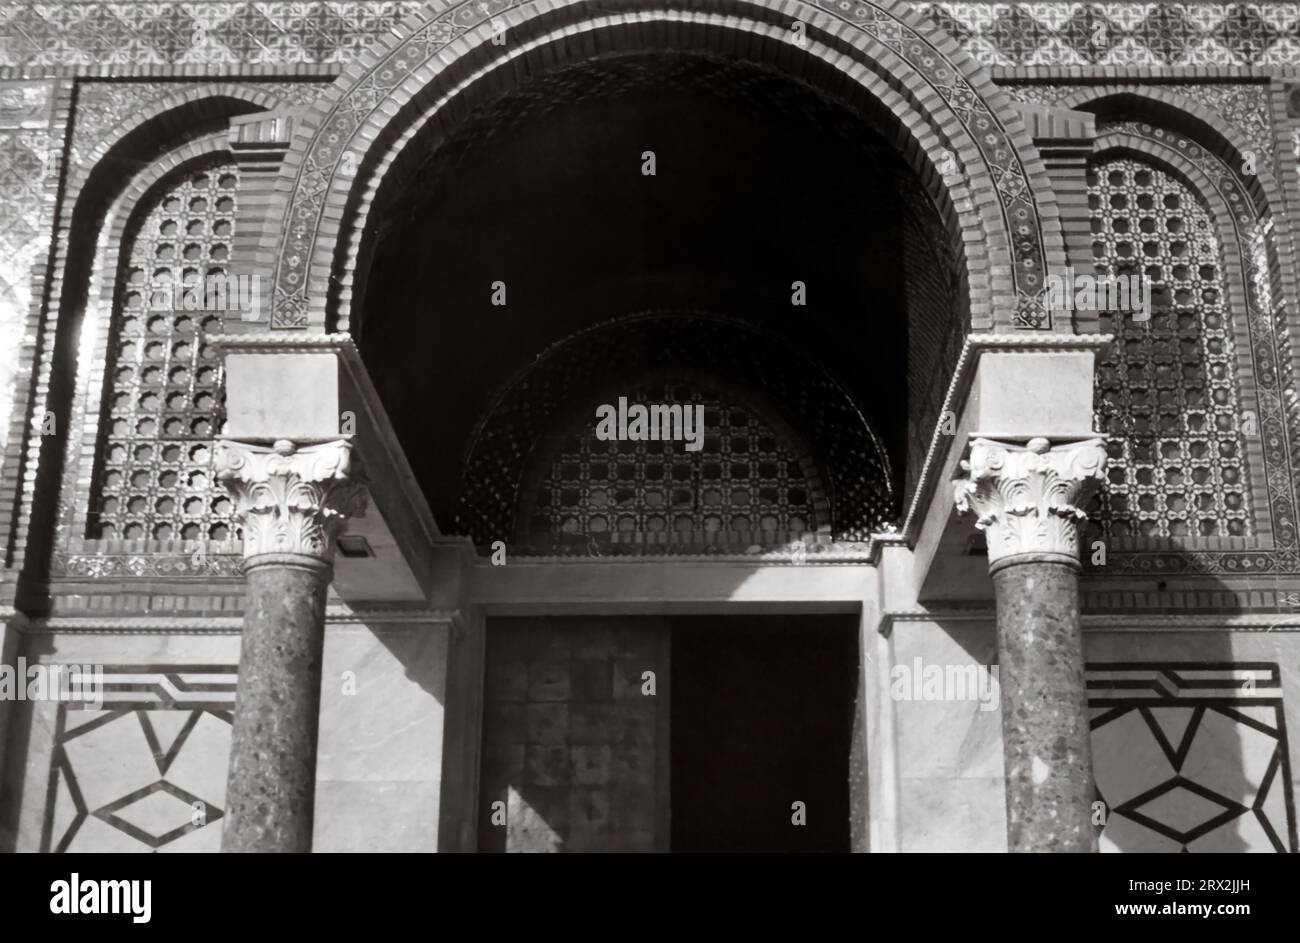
[290, 499]
[1029, 499]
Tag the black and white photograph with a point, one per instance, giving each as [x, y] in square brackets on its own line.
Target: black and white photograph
[712, 427]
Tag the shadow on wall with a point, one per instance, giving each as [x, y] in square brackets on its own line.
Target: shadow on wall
[1189, 741]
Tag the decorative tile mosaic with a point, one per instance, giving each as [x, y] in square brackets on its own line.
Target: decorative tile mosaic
[148, 771]
[127, 560]
[291, 32]
[26, 161]
[1124, 34]
[1269, 350]
[1244, 107]
[197, 32]
[1192, 757]
[1167, 390]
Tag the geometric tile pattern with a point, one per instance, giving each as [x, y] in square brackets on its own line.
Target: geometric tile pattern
[1273, 432]
[1241, 111]
[853, 470]
[1167, 390]
[746, 486]
[225, 32]
[1123, 34]
[148, 771]
[197, 32]
[165, 398]
[1191, 757]
[26, 142]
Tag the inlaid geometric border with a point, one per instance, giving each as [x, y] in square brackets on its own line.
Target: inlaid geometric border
[213, 33]
[1118, 35]
[1179, 701]
[131, 693]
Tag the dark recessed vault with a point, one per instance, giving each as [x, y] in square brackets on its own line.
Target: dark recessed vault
[760, 182]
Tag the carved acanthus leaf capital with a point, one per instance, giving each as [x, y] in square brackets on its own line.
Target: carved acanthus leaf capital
[290, 499]
[1029, 498]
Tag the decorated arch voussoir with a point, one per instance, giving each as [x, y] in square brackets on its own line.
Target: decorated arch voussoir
[996, 192]
[173, 110]
[94, 180]
[1217, 135]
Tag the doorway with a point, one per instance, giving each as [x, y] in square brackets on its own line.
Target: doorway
[762, 719]
[684, 733]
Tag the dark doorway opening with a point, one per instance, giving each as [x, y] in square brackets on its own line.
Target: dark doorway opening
[695, 733]
[762, 719]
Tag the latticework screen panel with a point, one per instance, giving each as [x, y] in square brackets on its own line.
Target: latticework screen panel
[1167, 393]
[786, 388]
[748, 486]
[165, 398]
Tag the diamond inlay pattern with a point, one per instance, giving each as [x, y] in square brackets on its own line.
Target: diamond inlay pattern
[165, 396]
[1191, 757]
[1167, 391]
[147, 772]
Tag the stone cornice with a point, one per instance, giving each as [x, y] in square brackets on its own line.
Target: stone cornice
[220, 625]
[856, 553]
[1123, 622]
[1261, 622]
[283, 343]
[1029, 498]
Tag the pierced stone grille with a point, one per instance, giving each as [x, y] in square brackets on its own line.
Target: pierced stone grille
[1167, 391]
[745, 487]
[851, 464]
[165, 398]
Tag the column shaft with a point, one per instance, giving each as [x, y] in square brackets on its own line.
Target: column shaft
[1029, 499]
[272, 783]
[292, 501]
[1046, 747]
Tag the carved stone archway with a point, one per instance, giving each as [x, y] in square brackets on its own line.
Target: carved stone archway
[949, 121]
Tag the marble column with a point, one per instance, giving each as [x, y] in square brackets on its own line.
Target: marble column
[292, 500]
[1029, 500]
